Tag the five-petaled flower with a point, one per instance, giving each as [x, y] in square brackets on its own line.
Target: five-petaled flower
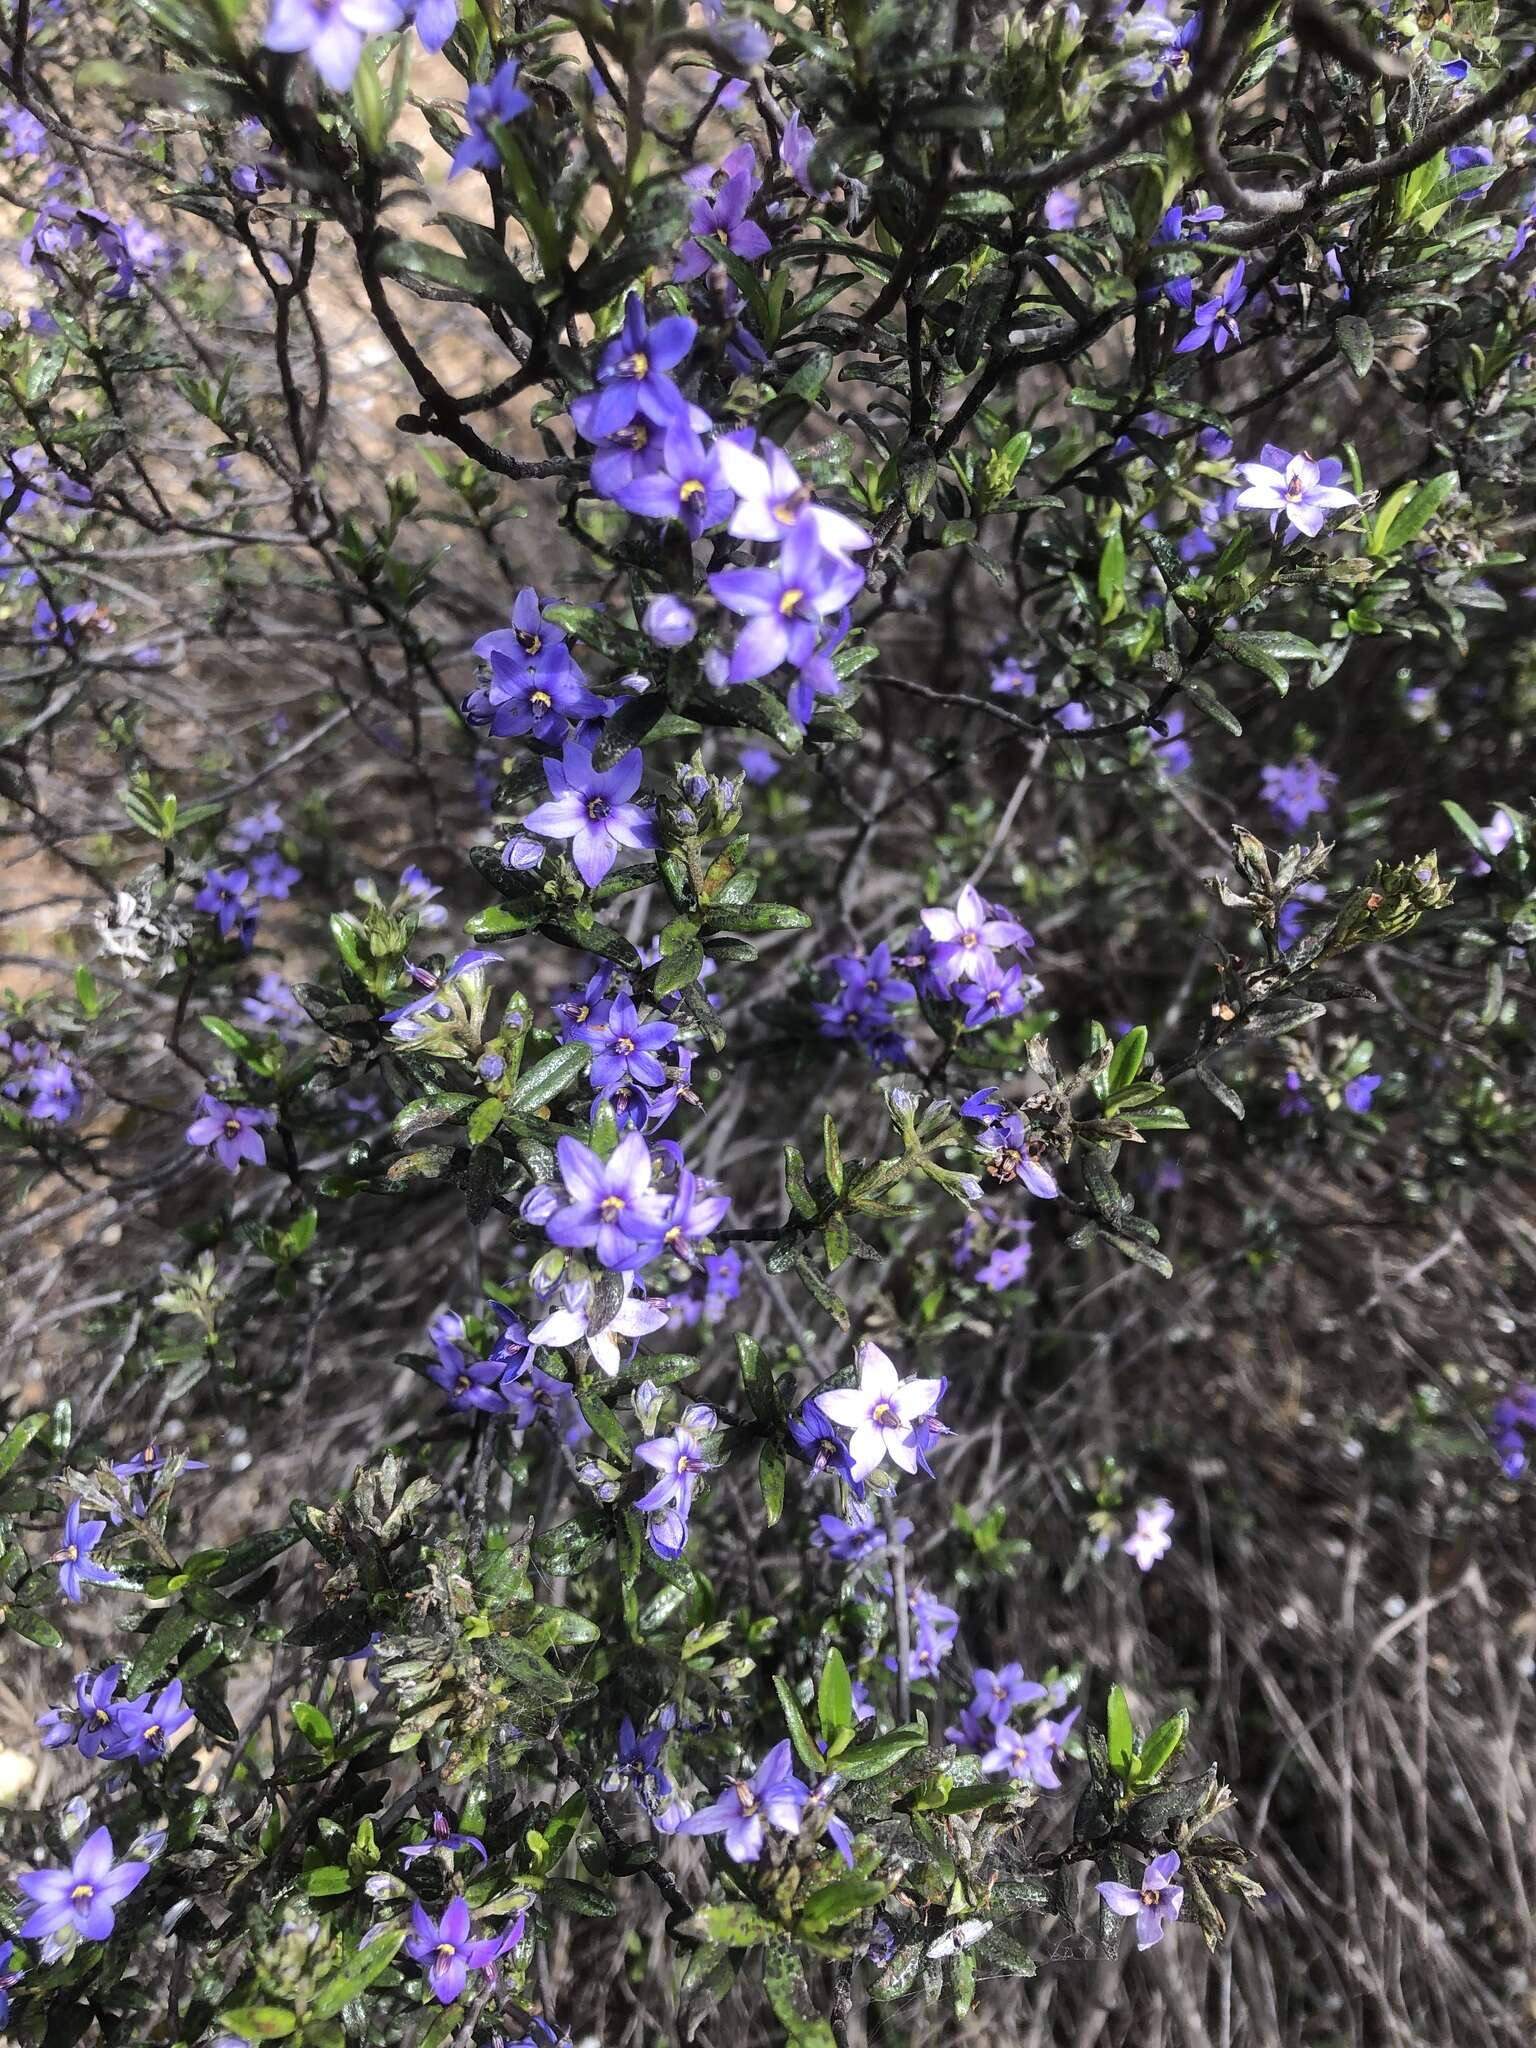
[73, 1556]
[592, 808]
[231, 1130]
[1295, 488]
[1154, 1904]
[880, 1413]
[772, 1797]
[331, 31]
[85, 1897]
[447, 1950]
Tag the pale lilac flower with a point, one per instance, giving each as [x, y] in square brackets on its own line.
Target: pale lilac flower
[784, 602]
[669, 621]
[332, 31]
[968, 935]
[880, 1412]
[1150, 1539]
[773, 499]
[1304, 492]
[1297, 790]
[571, 1324]
[1154, 1904]
[233, 1131]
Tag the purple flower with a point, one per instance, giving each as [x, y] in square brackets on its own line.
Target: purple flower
[332, 31]
[612, 1208]
[783, 602]
[857, 1539]
[626, 1048]
[995, 992]
[233, 1130]
[73, 1556]
[1358, 1092]
[83, 1897]
[880, 1412]
[1073, 716]
[758, 766]
[223, 897]
[1215, 319]
[1150, 1539]
[9, 1979]
[772, 1797]
[669, 621]
[435, 22]
[722, 214]
[1005, 1268]
[447, 1952]
[1030, 1758]
[443, 1835]
[1172, 753]
[1061, 210]
[632, 374]
[965, 937]
[687, 485]
[1297, 791]
[591, 807]
[680, 1459]
[1154, 1904]
[90, 1720]
[1010, 678]
[1295, 486]
[999, 1692]
[151, 1459]
[796, 146]
[273, 876]
[145, 1726]
[1009, 1153]
[486, 108]
[695, 1209]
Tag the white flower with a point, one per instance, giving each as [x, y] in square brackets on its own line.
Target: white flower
[880, 1412]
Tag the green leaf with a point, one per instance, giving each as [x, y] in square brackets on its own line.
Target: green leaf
[258, 2022]
[485, 1119]
[676, 970]
[733, 1926]
[790, 1997]
[1126, 1064]
[1161, 1747]
[1227, 1097]
[312, 1725]
[33, 1627]
[13, 1448]
[770, 1477]
[330, 1881]
[548, 1077]
[834, 1904]
[834, 1696]
[1112, 576]
[1465, 825]
[801, 1199]
[1355, 338]
[794, 1720]
[168, 1638]
[873, 1759]
[753, 917]
[371, 1962]
[1408, 511]
[1120, 1733]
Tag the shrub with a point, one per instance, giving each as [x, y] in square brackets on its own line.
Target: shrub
[886, 534]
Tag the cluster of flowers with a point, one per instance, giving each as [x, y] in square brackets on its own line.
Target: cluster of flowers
[232, 896]
[651, 459]
[952, 959]
[985, 1728]
[74, 1558]
[99, 1724]
[1355, 1094]
[40, 1077]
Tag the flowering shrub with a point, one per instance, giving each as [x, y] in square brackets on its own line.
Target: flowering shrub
[866, 733]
